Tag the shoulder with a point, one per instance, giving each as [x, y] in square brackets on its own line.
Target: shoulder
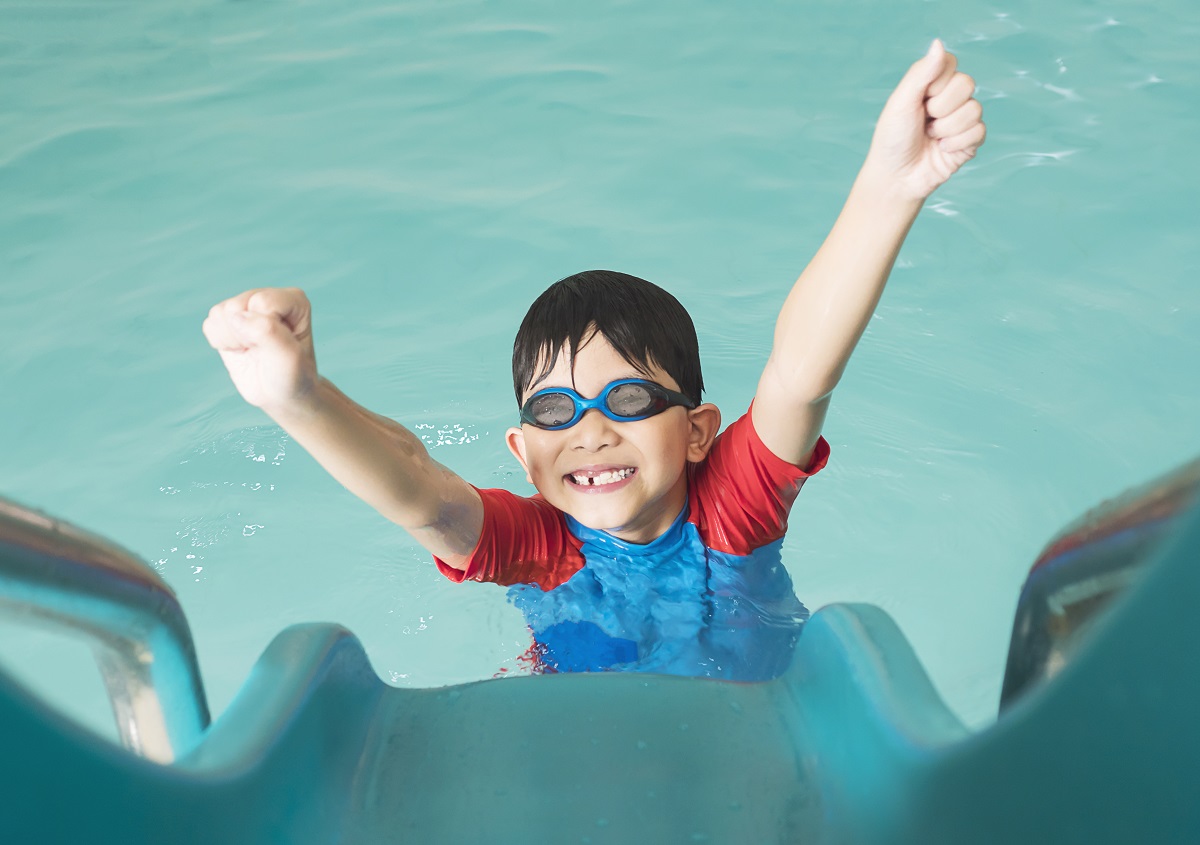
[520, 510]
[524, 540]
[738, 451]
[526, 523]
[740, 495]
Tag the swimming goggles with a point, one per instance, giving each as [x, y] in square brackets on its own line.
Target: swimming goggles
[624, 400]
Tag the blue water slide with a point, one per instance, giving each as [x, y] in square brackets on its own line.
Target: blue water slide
[1097, 740]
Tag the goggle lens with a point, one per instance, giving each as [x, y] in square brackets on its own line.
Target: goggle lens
[630, 400]
[551, 410]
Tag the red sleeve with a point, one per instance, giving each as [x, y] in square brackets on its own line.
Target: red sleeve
[739, 497]
[523, 541]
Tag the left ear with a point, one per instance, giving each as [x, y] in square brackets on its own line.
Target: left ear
[704, 422]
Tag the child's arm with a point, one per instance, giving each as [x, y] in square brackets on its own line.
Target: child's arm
[929, 128]
[265, 340]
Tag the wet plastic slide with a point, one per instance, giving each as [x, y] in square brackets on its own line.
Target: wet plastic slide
[1097, 741]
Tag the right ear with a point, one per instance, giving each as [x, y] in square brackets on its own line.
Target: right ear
[514, 439]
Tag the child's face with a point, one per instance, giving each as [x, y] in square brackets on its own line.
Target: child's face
[651, 454]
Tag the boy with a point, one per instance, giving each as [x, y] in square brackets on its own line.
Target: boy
[653, 544]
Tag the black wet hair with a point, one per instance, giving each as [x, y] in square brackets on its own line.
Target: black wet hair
[643, 323]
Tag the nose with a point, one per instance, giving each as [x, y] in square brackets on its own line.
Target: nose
[593, 432]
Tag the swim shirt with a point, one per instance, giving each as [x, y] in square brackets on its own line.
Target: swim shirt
[710, 597]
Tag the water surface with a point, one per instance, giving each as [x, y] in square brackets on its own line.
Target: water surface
[425, 169]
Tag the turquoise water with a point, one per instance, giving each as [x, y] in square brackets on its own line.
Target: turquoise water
[425, 169]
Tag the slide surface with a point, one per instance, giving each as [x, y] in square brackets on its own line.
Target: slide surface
[852, 744]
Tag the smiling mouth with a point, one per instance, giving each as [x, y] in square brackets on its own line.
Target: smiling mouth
[602, 478]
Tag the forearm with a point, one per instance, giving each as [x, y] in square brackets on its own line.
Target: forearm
[387, 466]
[929, 127]
[831, 303]
[264, 337]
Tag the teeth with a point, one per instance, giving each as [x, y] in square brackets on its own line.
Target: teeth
[602, 477]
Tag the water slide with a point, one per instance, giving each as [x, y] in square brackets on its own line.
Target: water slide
[1096, 741]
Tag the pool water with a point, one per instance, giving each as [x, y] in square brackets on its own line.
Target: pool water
[424, 169]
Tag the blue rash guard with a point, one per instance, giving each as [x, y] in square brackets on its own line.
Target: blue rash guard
[710, 597]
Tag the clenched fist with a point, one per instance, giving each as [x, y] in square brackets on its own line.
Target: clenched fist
[264, 337]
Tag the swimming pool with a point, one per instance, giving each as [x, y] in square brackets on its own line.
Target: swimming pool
[425, 169]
